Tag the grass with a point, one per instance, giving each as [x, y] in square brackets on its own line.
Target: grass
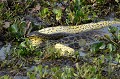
[97, 64]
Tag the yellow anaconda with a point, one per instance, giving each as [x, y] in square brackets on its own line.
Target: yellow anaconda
[78, 28]
[68, 38]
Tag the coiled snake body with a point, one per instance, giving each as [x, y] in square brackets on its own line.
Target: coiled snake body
[68, 38]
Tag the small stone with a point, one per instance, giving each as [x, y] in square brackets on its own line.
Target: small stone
[6, 25]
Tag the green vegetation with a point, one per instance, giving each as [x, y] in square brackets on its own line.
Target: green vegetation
[110, 43]
[103, 57]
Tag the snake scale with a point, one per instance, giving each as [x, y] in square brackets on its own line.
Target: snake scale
[68, 38]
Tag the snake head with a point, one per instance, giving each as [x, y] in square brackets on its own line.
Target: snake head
[38, 38]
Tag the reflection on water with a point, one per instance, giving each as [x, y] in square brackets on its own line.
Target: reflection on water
[4, 50]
